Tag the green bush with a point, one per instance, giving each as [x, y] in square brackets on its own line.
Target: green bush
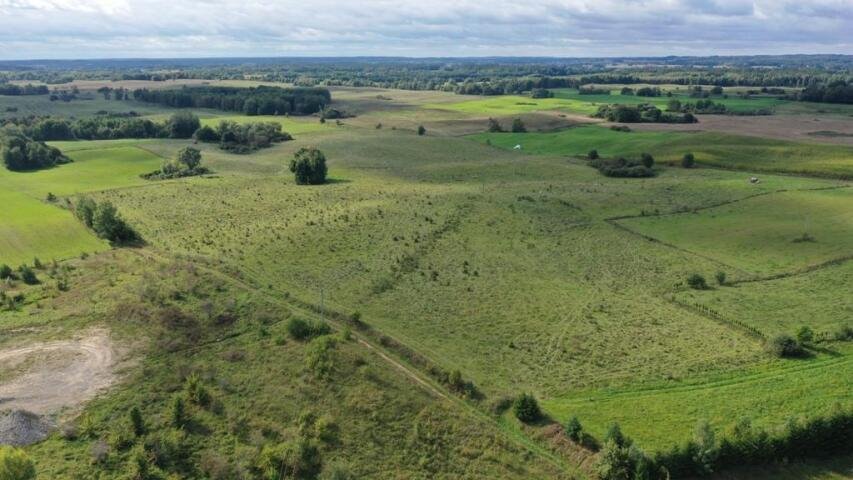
[574, 430]
[783, 345]
[319, 356]
[526, 408]
[805, 334]
[697, 282]
[421, 130]
[5, 272]
[27, 275]
[301, 329]
[721, 278]
[108, 225]
[309, 166]
[518, 126]
[137, 422]
[15, 464]
[592, 155]
[688, 160]
[298, 459]
[178, 412]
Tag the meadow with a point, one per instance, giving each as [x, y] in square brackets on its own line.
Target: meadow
[524, 270]
[710, 148]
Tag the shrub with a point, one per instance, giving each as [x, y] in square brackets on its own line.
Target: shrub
[85, 210]
[688, 160]
[526, 408]
[421, 130]
[183, 125]
[518, 126]
[621, 167]
[195, 391]
[309, 166]
[108, 225]
[614, 435]
[5, 272]
[783, 345]
[844, 333]
[178, 412]
[697, 282]
[495, 126]
[574, 430]
[805, 334]
[27, 275]
[294, 459]
[721, 278]
[137, 422]
[592, 155]
[15, 464]
[206, 134]
[647, 159]
[319, 356]
[301, 329]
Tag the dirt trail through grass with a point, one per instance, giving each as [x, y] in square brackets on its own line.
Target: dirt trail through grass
[74, 372]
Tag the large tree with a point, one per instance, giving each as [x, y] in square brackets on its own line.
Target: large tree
[309, 166]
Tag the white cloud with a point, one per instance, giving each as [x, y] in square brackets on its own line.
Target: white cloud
[122, 28]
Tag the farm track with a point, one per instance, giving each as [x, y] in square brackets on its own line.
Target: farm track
[420, 379]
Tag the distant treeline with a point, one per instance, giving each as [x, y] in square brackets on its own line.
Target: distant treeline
[839, 91]
[251, 101]
[12, 89]
[45, 129]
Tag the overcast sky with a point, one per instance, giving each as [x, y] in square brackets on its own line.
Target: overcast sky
[203, 28]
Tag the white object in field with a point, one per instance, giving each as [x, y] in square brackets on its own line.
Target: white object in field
[753, 180]
[517, 147]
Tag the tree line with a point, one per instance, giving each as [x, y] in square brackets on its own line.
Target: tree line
[28, 89]
[261, 100]
[21, 153]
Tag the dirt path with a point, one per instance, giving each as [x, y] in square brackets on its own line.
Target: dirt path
[66, 373]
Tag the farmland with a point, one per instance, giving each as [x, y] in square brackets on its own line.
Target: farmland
[524, 269]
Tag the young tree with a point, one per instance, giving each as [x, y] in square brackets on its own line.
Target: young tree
[206, 134]
[309, 166]
[805, 334]
[783, 345]
[526, 408]
[688, 160]
[85, 210]
[647, 159]
[178, 412]
[697, 282]
[592, 155]
[494, 126]
[136, 421]
[574, 430]
[518, 126]
[28, 275]
[5, 272]
[107, 223]
[421, 130]
[721, 278]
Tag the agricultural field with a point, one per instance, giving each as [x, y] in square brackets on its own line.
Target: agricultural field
[427, 253]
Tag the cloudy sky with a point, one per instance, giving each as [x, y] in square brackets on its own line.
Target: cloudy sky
[203, 28]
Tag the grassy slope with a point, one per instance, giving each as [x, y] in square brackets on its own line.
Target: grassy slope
[714, 149]
[31, 227]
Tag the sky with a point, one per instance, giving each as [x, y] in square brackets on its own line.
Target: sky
[68, 29]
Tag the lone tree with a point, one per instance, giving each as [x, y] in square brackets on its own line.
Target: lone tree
[183, 125]
[688, 160]
[107, 223]
[421, 130]
[190, 157]
[309, 166]
[647, 159]
[697, 282]
[495, 126]
[518, 126]
[593, 154]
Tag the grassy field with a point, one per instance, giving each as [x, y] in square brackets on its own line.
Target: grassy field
[506, 265]
[768, 397]
[32, 227]
[786, 304]
[709, 148]
[733, 103]
[762, 235]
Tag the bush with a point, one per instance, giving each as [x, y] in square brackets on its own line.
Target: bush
[136, 421]
[5, 272]
[494, 126]
[526, 408]
[622, 168]
[688, 160]
[301, 329]
[27, 275]
[592, 155]
[783, 345]
[518, 126]
[844, 333]
[309, 166]
[319, 356]
[647, 160]
[195, 391]
[183, 125]
[178, 412]
[85, 210]
[294, 459]
[697, 282]
[15, 464]
[108, 225]
[721, 278]
[574, 430]
[421, 130]
[805, 335]
[206, 134]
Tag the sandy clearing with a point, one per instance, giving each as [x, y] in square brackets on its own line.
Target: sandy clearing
[76, 371]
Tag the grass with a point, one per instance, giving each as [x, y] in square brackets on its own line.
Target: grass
[762, 235]
[32, 227]
[712, 149]
[795, 388]
[733, 103]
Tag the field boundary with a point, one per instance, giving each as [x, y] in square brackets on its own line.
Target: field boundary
[712, 314]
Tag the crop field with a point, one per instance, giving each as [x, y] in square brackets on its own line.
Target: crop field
[710, 148]
[524, 269]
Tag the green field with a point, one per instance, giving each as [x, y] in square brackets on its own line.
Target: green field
[524, 270]
[733, 103]
[760, 236]
[34, 228]
[712, 149]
